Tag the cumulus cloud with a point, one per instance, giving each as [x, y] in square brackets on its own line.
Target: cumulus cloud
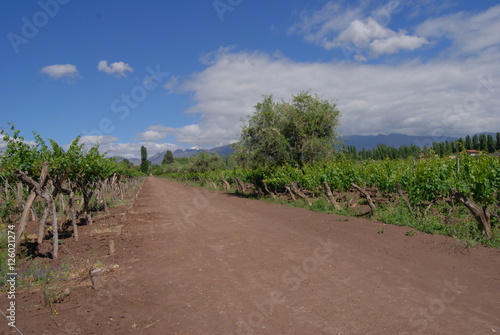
[151, 135]
[61, 71]
[440, 97]
[451, 96]
[354, 30]
[118, 69]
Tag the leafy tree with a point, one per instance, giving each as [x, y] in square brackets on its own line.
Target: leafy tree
[482, 142]
[468, 142]
[490, 143]
[294, 133]
[498, 141]
[475, 142]
[204, 162]
[458, 145]
[168, 158]
[144, 160]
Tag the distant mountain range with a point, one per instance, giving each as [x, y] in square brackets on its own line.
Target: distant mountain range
[359, 141]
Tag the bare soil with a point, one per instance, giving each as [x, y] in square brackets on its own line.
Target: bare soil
[192, 261]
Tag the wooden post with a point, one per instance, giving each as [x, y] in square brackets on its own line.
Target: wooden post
[111, 247]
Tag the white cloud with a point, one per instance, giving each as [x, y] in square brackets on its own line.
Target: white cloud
[361, 34]
[172, 84]
[133, 150]
[119, 69]
[470, 33]
[356, 30]
[370, 36]
[111, 145]
[208, 134]
[332, 18]
[396, 43]
[96, 139]
[412, 98]
[58, 71]
[151, 135]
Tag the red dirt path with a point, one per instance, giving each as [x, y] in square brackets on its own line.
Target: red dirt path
[193, 261]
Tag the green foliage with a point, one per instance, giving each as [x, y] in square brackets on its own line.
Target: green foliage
[76, 165]
[168, 158]
[289, 133]
[204, 162]
[144, 160]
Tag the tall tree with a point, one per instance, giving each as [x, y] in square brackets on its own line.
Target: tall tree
[294, 132]
[144, 160]
[482, 142]
[490, 143]
[498, 141]
[468, 142]
[458, 145]
[475, 142]
[168, 158]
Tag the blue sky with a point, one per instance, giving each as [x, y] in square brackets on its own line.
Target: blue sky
[181, 74]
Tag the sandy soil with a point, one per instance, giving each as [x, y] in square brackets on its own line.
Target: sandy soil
[192, 261]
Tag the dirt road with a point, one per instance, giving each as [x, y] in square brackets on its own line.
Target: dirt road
[193, 261]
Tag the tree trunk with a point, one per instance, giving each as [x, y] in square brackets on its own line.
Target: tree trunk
[268, 191]
[482, 215]
[295, 189]
[40, 189]
[240, 184]
[291, 193]
[19, 193]
[41, 225]
[25, 215]
[404, 197]
[329, 195]
[226, 184]
[55, 231]
[72, 213]
[365, 195]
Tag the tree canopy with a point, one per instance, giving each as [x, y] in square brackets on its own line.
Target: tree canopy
[289, 132]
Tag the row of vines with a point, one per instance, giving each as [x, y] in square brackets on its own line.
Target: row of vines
[55, 186]
[471, 182]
